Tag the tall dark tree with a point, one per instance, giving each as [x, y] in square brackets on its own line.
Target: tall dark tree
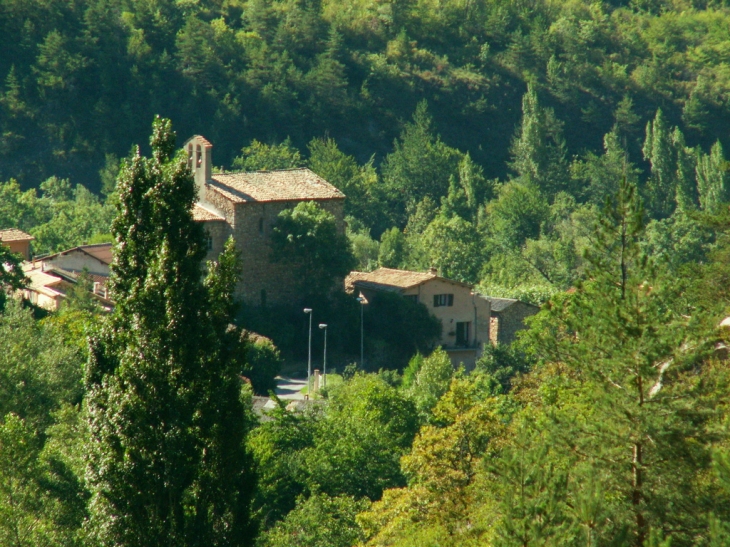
[166, 461]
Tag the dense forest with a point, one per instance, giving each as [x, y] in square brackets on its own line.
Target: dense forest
[567, 153]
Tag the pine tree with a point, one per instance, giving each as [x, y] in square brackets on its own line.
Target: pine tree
[633, 416]
[166, 465]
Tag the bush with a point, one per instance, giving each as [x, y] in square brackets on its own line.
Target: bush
[263, 361]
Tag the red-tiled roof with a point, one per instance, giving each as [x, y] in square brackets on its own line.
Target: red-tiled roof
[13, 234]
[280, 185]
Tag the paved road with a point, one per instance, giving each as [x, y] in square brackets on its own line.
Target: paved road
[289, 388]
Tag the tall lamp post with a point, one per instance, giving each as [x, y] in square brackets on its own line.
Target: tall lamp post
[324, 364]
[362, 301]
[309, 357]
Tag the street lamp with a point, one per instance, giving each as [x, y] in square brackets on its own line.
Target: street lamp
[309, 357]
[362, 301]
[324, 364]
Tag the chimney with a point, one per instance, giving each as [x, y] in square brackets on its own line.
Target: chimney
[200, 163]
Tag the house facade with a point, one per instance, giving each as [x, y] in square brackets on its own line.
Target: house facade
[246, 206]
[51, 277]
[17, 241]
[508, 318]
[464, 315]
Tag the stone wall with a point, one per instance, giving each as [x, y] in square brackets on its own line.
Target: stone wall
[251, 224]
[506, 324]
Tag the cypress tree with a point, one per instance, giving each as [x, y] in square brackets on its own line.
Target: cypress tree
[166, 463]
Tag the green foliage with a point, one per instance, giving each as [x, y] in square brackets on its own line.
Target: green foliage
[392, 252]
[419, 166]
[166, 417]
[367, 426]
[267, 157]
[318, 521]
[501, 364]
[39, 371]
[516, 214]
[263, 363]
[403, 327]
[538, 150]
[431, 381]
[306, 237]
[25, 509]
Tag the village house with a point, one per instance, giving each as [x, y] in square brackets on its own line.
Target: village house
[464, 315]
[51, 277]
[17, 241]
[246, 206]
[508, 318]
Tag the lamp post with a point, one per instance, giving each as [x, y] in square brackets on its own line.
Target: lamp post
[309, 357]
[324, 363]
[362, 301]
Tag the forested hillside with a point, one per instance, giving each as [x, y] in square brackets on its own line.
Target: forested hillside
[83, 79]
[567, 153]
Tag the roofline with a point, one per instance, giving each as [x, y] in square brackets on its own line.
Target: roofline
[79, 248]
[435, 277]
[205, 142]
[221, 192]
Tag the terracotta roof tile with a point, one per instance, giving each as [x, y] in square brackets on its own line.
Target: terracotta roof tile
[13, 234]
[281, 185]
[201, 214]
[387, 279]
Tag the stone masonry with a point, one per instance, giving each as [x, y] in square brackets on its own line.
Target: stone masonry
[246, 206]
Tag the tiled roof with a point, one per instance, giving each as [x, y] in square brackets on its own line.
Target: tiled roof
[100, 251]
[281, 185]
[201, 214]
[501, 304]
[13, 234]
[387, 279]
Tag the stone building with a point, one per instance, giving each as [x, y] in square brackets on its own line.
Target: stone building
[246, 206]
[464, 315]
[17, 241]
[508, 318]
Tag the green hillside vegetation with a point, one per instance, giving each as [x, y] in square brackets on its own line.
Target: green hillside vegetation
[567, 153]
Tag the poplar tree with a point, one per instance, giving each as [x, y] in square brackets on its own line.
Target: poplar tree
[538, 150]
[165, 459]
[713, 179]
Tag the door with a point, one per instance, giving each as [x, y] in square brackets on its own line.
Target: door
[462, 334]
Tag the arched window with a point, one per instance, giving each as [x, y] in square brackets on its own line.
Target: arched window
[190, 156]
[199, 160]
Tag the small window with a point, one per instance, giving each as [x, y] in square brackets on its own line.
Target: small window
[443, 300]
[210, 243]
[261, 225]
